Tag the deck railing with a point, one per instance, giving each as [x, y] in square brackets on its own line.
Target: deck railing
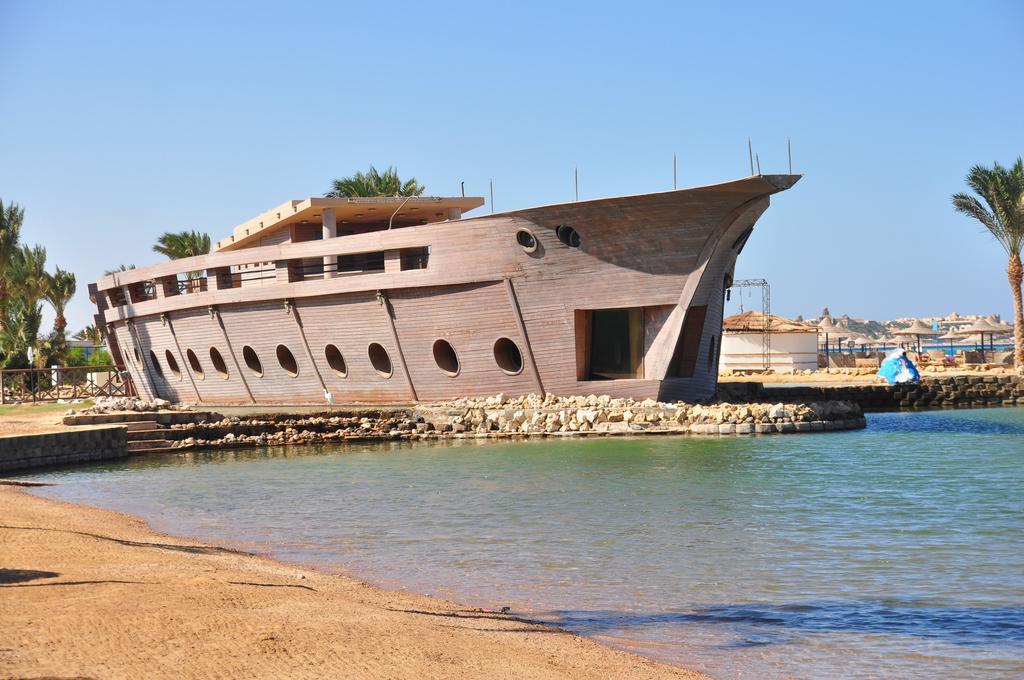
[21, 385]
[290, 270]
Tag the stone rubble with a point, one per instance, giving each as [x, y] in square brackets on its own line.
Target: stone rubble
[500, 416]
[122, 404]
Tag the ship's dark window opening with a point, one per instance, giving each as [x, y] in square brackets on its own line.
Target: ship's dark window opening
[446, 358]
[193, 361]
[507, 356]
[379, 359]
[138, 357]
[712, 352]
[142, 291]
[614, 343]
[336, 361]
[156, 364]
[361, 262]
[526, 239]
[172, 364]
[684, 360]
[117, 298]
[218, 363]
[252, 360]
[287, 361]
[415, 258]
[568, 235]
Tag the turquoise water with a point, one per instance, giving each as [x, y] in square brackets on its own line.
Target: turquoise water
[896, 551]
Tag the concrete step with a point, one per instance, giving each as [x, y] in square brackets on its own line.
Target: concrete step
[136, 425]
[160, 417]
[148, 444]
[146, 432]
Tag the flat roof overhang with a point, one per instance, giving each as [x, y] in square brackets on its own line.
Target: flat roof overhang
[354, 211]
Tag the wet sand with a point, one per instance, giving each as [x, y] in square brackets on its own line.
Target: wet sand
[93, 593]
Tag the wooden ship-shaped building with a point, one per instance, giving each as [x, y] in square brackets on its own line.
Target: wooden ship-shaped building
[393, 300]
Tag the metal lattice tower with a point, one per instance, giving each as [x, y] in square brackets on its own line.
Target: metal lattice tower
[766, 312]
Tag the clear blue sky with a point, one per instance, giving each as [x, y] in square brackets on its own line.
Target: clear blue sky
[119, 121]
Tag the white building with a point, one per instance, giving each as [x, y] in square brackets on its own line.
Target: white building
[793, 346]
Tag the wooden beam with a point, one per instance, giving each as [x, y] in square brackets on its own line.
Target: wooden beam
[514, 303]
[293, 309]
[184, 362]
[215, 313]
[389, 311]
[134, 334]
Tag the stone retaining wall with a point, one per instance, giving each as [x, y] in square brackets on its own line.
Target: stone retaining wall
[19, 452]
[500, 417]
[960, 391]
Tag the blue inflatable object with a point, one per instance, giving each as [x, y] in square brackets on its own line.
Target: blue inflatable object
[898, 368]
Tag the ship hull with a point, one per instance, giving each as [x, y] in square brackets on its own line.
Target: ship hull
[634, 308]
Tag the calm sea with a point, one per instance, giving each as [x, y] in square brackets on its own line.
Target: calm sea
[896, 551]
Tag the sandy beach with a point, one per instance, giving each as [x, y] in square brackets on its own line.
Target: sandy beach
[34, 418]
[93, 593]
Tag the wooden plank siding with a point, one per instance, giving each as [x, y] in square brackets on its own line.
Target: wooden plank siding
[659, 252]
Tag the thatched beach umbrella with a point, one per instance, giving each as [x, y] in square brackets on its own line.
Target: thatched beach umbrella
[853, 338]
[981, 327]
[887, 341]
[916, 330]
[951, 336]
[828, 328]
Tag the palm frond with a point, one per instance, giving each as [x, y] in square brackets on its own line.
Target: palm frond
[177, 245]
[374, 183]
[998, 204]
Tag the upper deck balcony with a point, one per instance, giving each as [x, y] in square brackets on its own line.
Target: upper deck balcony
[313, 218]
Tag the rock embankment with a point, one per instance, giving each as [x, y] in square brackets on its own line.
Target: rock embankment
[104, 405]
[554, 415]
[530, 416]
[278, 430]
[960, 391]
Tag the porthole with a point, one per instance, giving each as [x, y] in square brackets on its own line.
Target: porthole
[172, 364]
[218, 363]
[287, 361]
[568, 235]
[156, 364]
[252, 360]
[508, 356]
[335, 360]
[527, 240]
[446, 358]
[379, 359]
[193, 361]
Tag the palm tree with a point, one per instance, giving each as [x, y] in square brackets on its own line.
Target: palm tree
[1002, 214]
[11, 218]
[61, 290]
[373, 183]
[120, 268]
[183, 244]
[28, 276]
[90, 334]
[20, 331]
